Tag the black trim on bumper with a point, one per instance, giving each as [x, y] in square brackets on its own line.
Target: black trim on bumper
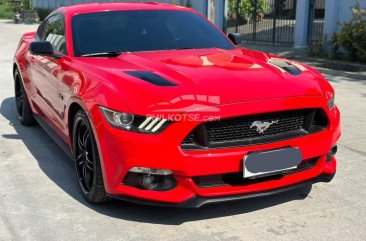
[197, 201]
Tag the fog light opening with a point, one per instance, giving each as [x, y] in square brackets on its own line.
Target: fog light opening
[332, 153]
[150, 179]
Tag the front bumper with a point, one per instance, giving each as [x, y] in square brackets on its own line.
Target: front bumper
[121, 150]
[197, 201]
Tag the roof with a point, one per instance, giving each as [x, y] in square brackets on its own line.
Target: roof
[98, 7]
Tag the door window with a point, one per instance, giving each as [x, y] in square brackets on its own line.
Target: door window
[40, 31]
[54, 32]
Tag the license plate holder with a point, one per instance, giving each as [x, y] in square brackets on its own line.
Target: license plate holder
[271, 162]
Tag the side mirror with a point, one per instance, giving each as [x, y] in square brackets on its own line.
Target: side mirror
[235, 38]
[43, 48]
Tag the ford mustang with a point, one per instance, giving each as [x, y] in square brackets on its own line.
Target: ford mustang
[157, 106]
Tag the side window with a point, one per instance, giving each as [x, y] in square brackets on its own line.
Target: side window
[54, 32]
[40, 30]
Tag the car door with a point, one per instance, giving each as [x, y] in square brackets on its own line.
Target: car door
[46, 71]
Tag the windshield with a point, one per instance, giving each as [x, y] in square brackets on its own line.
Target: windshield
[148, 30]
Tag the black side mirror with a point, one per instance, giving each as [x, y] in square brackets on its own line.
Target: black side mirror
[235, 38]
[42, 48]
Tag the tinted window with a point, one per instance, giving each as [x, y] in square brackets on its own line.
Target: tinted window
[143, 31]
[40, 31]
[54, 32]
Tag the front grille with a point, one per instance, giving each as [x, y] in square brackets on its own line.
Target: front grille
[237, 179]
[241, 131]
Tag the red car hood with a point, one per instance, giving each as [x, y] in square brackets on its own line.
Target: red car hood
[220, 75]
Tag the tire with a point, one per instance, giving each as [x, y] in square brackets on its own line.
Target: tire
[87, 162]
[24, 110]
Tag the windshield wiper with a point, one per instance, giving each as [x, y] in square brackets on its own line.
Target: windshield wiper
[184, 48]
[106, 54]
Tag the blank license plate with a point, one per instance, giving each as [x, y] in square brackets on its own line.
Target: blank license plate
[271, 162]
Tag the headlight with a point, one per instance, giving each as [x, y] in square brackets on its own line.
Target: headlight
[132, 122]
[118, 119]
[331, 103]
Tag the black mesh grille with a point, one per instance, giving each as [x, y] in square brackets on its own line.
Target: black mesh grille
[241, 128]
[246, 131]
[189, 139]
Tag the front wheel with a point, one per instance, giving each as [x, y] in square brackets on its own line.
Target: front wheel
[87, 162]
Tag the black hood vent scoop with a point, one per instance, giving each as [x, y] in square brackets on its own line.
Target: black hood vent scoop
[286, 66]
[151, 78]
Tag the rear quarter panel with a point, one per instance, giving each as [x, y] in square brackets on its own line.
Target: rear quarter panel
[21, 62]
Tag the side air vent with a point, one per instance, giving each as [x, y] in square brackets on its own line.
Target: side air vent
[151, 78]
[285, 66]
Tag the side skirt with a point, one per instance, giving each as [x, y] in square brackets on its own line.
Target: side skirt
[61, 143]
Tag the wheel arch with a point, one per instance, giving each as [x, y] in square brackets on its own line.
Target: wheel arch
[73, 109]
[75, 105]
[16, 80]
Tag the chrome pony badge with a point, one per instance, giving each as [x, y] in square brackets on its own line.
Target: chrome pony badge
[262, 125]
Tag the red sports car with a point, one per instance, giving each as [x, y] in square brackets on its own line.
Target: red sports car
[157, 106]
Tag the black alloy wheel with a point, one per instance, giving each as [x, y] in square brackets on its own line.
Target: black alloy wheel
[21, 100]
[87, 162]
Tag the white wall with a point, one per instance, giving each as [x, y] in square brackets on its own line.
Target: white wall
[338, 11]
[52, 4]
[199, 5]
[302, 23]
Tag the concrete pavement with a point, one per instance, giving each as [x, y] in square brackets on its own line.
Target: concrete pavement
[39, 197]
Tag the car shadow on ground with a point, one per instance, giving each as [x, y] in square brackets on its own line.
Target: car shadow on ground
[59, 168]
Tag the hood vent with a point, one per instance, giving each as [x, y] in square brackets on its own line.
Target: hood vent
[151, 78]
[285, 66]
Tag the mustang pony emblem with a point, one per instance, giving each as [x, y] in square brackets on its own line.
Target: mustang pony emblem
[262, 125]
